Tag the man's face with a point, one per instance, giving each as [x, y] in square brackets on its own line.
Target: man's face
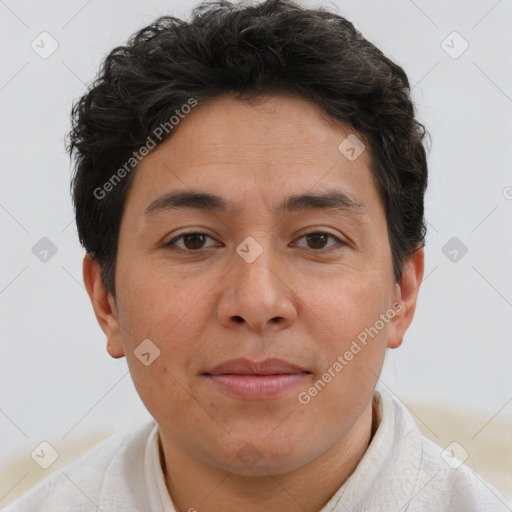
[256, 282]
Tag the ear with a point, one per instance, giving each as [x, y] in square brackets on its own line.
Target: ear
[406, 296]
[103, 305]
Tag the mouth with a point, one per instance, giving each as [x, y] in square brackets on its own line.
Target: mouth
[249, 379]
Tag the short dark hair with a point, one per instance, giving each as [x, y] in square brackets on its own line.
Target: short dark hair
[273, 47]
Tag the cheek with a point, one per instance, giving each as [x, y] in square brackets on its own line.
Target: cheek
[159, 304]
[345, 320]
[344, 306]
[158, 307]
[163, 390]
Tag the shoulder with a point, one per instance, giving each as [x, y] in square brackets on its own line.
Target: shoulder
[442, 482]
[112, 465]
[445, 481]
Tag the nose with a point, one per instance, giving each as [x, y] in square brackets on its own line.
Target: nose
[258, 293]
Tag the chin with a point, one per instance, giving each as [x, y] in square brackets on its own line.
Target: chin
[253, 457]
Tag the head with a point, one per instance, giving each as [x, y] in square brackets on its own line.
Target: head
[249, 184]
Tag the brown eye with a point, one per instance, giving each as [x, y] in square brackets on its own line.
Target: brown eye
[317, 240]
[193, 241]
[189, 242]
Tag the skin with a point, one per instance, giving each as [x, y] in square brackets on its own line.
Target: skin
[297, 301]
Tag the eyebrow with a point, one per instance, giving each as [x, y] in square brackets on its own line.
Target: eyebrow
[332, 199]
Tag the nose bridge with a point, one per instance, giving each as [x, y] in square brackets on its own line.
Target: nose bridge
[257, 294]
[255, 268]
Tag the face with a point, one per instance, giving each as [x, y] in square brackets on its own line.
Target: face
[258, 273]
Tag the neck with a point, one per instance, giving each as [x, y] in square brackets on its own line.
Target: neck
[195, 486]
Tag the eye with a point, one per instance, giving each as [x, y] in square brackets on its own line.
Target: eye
[191, 241]
[316, 240]
[194, 241]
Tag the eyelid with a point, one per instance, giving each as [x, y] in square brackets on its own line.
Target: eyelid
[174, 239]
[339, 242]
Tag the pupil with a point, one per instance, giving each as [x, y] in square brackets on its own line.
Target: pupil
[197, 240]
[315, 237]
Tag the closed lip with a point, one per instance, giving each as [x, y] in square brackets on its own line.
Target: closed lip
[271, 366]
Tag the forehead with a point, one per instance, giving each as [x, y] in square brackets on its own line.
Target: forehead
[266, 126]
[233, 148]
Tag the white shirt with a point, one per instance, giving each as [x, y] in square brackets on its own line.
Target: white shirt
[401, 471]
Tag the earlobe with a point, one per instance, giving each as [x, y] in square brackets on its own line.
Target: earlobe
[406, 297]
[103, 305]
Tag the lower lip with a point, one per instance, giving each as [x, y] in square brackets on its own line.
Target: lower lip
[257, 386]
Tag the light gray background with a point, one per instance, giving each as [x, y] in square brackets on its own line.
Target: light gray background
[56, 378]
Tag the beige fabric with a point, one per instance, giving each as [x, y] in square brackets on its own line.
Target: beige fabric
[487, 440]
[11, 473]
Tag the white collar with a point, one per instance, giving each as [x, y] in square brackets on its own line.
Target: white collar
[158, 495]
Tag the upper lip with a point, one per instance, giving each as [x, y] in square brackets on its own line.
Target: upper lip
[246, 367]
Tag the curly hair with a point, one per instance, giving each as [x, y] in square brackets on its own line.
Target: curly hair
[273, 47]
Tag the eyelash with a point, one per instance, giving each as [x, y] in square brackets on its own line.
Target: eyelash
[171, 244]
